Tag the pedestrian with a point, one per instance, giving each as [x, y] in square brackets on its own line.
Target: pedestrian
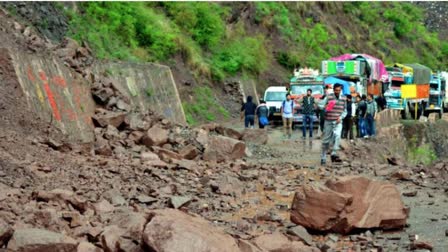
[356, 116]
[361, 113]
[322, 111]
[287, 111]
[249, 113]
[381, 102]
[335, 106]
[371, 113]
[308, 106]
[347, 127]
[262, 112]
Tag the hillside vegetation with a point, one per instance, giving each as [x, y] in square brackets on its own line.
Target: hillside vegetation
[221, 40]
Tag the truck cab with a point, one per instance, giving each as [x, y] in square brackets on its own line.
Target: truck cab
[435, 103]
[304, 79]
[274, 96]
[393, 92]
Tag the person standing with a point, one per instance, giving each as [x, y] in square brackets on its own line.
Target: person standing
[347, 127]
[249, 112]
[381, 102]
[361, 113]
[287, 111]
[308, 107]
[335, 106]
[262, 112]
[371, 112]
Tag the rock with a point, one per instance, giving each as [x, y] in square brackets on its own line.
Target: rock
[221, 148]
[40, 240]
[87, 247]
[148, 156]
[132, 223]
[202, 137]
[229, 132]
[166, 155]
[111, 133]
[410, 194]
[255, 136]
[63, 197]
[401, 175]
[348, 203]
[394, 161]
[155, 136]
[302, 234]
[421, 245]
[102, 147]
[110, 238]
[172, 230]
[278, 242]
[136, 136]
[179, 201]
[115, 197]
[109, 118]
[145, 199]
[103, 207]
[6, 232]
[189, 152]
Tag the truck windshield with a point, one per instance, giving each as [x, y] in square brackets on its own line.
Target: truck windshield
[434, 86]
[301, 89]
[275, 96]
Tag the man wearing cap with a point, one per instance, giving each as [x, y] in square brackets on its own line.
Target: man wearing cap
[335, 106]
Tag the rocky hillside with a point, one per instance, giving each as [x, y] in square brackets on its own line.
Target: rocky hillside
[211, 45]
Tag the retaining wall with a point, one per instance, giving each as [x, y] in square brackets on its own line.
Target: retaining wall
[147, 85]
[55, 94]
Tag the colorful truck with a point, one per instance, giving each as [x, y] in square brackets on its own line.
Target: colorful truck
[393, 92]
[304, 79]
[436, 102]
[368, 73]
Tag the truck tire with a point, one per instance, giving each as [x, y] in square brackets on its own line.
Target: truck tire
[440, 114]
[405, 114]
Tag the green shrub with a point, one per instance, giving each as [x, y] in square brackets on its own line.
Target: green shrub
[421, 154]
[204, 107]
[242, 54]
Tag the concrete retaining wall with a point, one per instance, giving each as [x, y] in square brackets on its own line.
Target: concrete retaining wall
[147, 85]
[388, 117]
[53, 92]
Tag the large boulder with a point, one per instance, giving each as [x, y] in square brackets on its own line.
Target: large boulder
[229, 132]
[220, 148]
[155, 136]
[256, 136]
[40, 240]
[172, 230]
[348, 203]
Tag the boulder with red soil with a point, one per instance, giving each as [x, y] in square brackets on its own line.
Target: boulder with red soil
[255, 136]
[349, 203]
[155, 136]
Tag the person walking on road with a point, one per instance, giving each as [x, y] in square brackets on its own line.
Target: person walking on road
[308, 106]
[262, 112]
[322, 112]
[371, 112]
[287, 111]
[249, 112]
[335, 106]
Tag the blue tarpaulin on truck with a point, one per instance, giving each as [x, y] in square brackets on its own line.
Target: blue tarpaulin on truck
[345, 84]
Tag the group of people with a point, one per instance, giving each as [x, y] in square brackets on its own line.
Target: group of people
[338, 116]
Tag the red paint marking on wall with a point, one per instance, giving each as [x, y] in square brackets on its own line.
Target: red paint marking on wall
[58, 80]
[30, 74]
[42, 76]
[50, 96]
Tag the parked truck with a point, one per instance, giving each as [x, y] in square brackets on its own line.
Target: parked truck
[368, 73]
[393, 92]
[436, 102]
[303, 80]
